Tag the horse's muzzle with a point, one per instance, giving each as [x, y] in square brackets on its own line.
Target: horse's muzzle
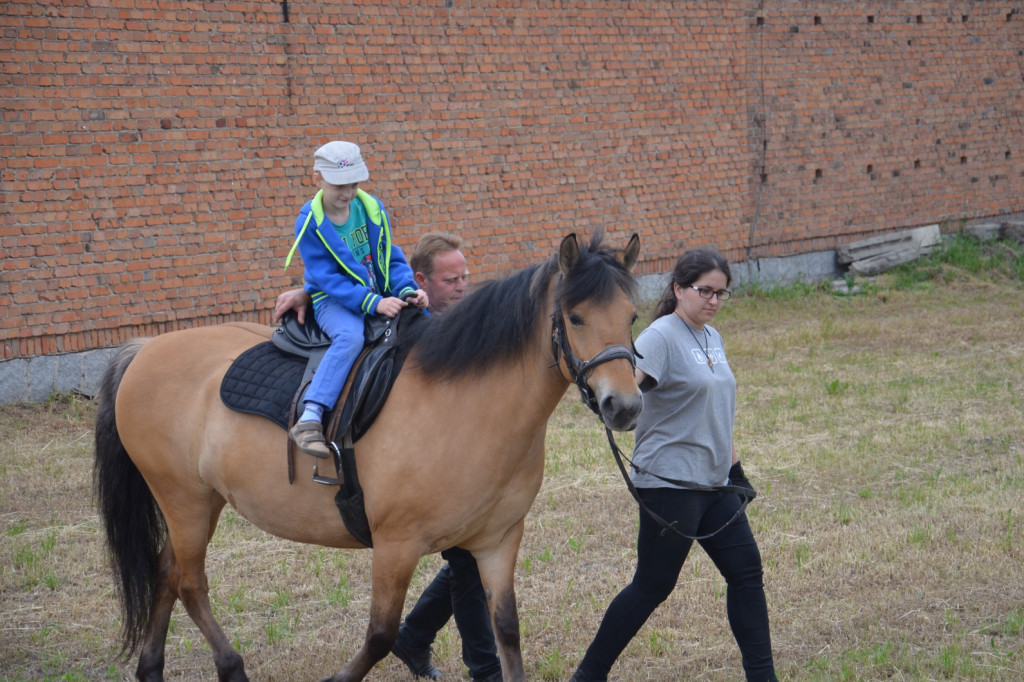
[619, 412]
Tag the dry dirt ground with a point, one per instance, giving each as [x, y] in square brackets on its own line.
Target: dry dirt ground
[885, 433]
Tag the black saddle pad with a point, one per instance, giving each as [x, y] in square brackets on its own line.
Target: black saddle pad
[263, 381]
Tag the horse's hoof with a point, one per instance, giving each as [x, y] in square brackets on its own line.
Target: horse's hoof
[150, 670]
[231, 669]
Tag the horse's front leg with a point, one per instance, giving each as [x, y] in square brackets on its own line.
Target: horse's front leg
[497, 569]
[393, 566]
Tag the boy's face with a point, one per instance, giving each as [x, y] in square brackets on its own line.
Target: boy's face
[337, 195]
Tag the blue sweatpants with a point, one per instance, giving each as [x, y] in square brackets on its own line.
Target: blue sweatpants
[345, 327]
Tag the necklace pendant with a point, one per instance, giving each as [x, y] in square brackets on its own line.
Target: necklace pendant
[710, 363]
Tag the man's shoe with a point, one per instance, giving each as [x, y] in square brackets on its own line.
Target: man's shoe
[417, 660]
[493, 677]
[309, 437]
[580, 677]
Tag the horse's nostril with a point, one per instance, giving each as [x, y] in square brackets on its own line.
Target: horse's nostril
[620, 414]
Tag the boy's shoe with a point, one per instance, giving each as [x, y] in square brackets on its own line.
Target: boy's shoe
[309, 437]
[417, 660]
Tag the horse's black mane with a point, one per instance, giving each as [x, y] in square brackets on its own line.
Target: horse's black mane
[495, 323]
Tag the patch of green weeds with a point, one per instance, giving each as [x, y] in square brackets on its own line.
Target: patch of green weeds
[277, 631]
[281, 599]
[32, 560]
[73, 405]
[790, 292]
[49, 542]
[802, 554]
[960, 254]
[844, 513]
[553, 665]
[658, 643]
[919, 535]
[836, 387]
[851, 665]
[718, 592]
[1012, 625]
[341, 595]
[239, 599]
[545, 554]
[956, 662]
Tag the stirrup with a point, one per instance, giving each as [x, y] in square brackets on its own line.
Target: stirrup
[336, 456]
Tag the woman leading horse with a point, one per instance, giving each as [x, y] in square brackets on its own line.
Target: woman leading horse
[467, 417]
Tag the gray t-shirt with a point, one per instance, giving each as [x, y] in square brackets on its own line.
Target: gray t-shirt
[685, 429]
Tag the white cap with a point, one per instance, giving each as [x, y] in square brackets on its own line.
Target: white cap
[340, 163]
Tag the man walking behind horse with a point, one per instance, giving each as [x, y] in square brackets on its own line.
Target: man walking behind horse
[439, 268]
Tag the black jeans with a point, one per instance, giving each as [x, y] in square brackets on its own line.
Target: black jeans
[659, 561]
[455, 589]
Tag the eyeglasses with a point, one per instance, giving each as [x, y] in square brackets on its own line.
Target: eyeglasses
[708, 292]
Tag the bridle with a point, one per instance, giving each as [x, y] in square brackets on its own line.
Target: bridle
[579, 373]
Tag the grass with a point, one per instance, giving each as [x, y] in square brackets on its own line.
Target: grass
[883, 431]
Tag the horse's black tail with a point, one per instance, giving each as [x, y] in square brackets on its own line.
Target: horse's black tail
[133, 522]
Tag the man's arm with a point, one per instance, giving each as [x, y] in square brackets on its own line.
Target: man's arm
[293, 299]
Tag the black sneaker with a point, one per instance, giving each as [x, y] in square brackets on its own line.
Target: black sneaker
[580, 677]
[417, 660]
[494, 677]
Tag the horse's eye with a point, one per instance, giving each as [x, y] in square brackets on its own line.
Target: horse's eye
[575, 320]
[633, 321]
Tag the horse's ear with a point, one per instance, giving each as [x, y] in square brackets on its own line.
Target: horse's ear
[568, 254]
[631, 252]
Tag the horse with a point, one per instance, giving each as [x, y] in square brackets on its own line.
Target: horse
[467, 416]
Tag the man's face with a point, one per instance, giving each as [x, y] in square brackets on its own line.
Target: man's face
[447, 284]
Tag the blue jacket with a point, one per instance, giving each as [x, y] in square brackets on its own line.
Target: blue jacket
[332, 270]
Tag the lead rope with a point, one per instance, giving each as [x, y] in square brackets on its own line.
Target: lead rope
[747, 494]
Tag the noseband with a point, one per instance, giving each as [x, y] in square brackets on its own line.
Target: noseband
[580, 371]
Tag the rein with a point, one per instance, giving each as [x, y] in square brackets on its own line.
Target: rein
[747, 494]
[579, 372]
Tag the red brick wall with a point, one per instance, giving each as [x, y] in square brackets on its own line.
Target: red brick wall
[884, 114]
[155, 153]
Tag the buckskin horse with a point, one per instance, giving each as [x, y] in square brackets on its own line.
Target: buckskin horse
[467, 416]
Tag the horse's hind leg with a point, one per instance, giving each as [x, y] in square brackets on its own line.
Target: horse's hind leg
[189, 536]
[151, 660]
[393, 567]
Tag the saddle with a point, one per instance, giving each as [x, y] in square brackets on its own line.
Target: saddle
[365, 390]
[368, 384]
[265, 381]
